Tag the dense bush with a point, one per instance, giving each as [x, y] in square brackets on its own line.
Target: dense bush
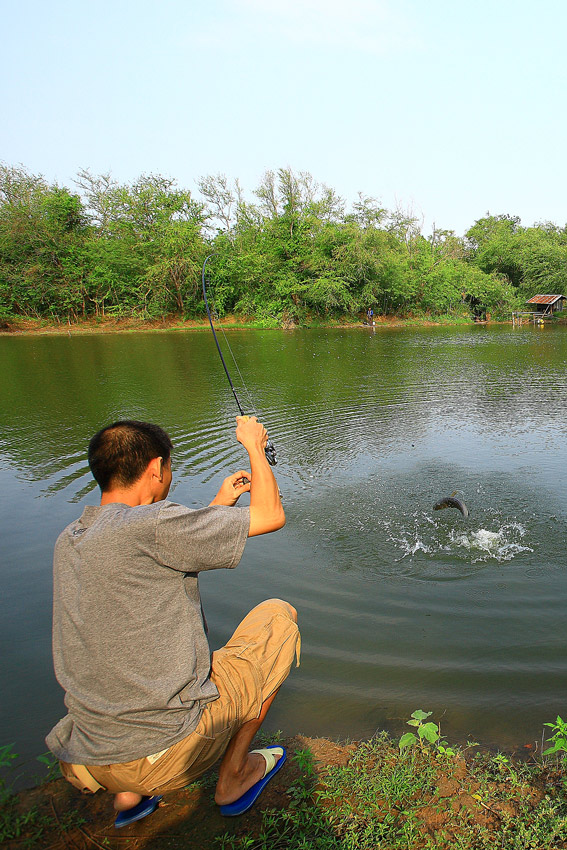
[137, 249]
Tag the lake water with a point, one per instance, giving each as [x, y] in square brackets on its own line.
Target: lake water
[400, 607]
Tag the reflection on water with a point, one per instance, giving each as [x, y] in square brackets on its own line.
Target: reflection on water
[401, 607]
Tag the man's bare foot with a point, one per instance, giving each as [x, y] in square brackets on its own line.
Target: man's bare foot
[125, 800]
[231, 785]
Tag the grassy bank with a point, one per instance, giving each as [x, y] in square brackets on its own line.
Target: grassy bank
[329, 796]
[176, 323]
[112, 325]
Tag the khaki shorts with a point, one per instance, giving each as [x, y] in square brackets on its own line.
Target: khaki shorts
[252, 665]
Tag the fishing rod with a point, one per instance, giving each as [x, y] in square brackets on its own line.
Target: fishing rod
[270, 450]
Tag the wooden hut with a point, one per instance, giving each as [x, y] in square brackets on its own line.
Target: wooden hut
[546, 305]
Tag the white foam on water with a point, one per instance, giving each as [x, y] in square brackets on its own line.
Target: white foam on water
[410, 547]
[502, 545]
[483, 544]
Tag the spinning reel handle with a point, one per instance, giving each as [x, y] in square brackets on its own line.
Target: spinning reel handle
[270, 452]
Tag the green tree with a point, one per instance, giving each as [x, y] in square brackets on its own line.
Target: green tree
[492, 242]
[42, 232]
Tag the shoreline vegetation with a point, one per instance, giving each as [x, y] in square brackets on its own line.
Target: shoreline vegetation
[415, 793]
[33, 326]
[290, 255]
[23, 326]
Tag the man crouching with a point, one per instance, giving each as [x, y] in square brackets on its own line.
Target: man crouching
[149, 708]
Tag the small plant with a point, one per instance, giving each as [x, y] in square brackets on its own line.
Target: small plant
[51, 765]
[304, 760]
[266, 739]
[6, 759]
[445, 750]
[558, 739]
[428, 731]
[27, 826]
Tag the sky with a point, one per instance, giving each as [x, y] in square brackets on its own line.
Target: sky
[443, 110]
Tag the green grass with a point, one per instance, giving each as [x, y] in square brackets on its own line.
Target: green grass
[413, 794]
[27, 827]
[415, 798]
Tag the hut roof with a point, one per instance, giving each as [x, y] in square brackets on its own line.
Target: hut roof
[544, 299]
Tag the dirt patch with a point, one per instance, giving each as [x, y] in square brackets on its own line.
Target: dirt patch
[325, 754]
[105, 325]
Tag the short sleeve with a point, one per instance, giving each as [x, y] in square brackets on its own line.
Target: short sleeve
[209, 538]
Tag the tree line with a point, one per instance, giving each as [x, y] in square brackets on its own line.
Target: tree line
[104, 248]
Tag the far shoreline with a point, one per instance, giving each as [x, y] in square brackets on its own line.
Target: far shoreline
[26, 326]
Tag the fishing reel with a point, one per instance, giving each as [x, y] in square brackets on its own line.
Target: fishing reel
[270, 452]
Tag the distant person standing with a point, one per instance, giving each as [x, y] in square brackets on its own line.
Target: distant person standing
[370, 316]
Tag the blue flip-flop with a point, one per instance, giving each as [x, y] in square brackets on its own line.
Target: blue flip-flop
[145, 807]
[249, 797]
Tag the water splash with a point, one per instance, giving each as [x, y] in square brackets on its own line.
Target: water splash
[502, 545]
[474, 545]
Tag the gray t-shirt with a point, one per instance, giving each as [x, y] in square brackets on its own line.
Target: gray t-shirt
[129, 643]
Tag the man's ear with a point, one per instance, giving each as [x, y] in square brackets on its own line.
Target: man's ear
[156, 467]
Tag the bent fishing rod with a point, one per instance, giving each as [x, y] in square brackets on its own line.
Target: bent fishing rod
[270, 450]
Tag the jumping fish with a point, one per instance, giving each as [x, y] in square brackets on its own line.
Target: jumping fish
[451, 502]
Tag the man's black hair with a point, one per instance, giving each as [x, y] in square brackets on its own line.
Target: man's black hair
[119, 453]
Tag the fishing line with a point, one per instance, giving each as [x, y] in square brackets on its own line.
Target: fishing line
[246, 390]
[270, 450]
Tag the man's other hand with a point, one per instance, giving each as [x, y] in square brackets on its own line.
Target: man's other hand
[232, 488]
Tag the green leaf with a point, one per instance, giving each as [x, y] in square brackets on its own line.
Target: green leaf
[429, 731]
[407, 740]
[421, 715]
[6, 755]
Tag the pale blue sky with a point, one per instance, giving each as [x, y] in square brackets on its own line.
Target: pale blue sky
[447, 109]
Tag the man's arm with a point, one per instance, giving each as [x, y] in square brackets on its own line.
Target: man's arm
[266, 510]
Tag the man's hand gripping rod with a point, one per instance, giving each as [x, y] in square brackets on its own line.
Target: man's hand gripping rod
[270, 450]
